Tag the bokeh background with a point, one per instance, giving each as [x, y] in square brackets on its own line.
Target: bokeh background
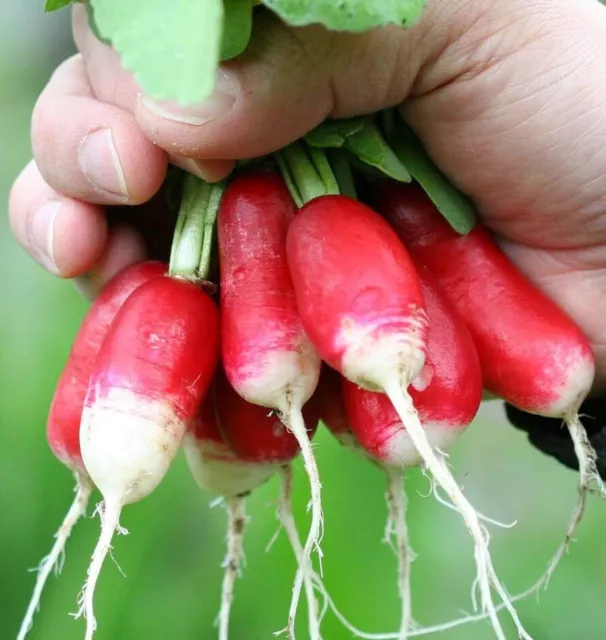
[172, 557]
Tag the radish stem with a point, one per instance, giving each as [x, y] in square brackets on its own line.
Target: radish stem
[54, 560]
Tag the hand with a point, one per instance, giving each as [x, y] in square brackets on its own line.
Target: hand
[507, 98]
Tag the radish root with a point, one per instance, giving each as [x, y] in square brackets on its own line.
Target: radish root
[110, 523]
[588, 474]
[293, 419]
[288, 524]
[397, 528]
[236, 521]
[486, 575]
[55, 559]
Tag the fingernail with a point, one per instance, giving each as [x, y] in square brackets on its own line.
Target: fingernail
[205, 170]
[43, 235]
[89, 284]
[217, 104]
[101, 164]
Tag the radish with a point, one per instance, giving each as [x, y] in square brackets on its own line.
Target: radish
[66, 409]
[532, 354]
[151, 375]
[234, 447]
[361, 303]
[267, 356]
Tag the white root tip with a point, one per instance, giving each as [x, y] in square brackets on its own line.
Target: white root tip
[288, 524]
[486, 575]
[293, 419]
[588, 475]
[236, 522]
[54, 560]
[110, 522]
[397, 528]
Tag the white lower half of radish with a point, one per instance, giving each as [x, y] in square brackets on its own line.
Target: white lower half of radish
[128, 443]
[216, 470]
[371, 354]
[570, 394]
[283, 372]
[399, 451]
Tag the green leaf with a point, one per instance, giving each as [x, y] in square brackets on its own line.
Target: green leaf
[348, 15]
[363, 138]
[55, 5]
[237, 27]
[92, 23]
[172, 48]
[456, 207]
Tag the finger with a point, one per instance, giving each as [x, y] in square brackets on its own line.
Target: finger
[125, 246]
[89, 150]
[286, 83]
[65, 236]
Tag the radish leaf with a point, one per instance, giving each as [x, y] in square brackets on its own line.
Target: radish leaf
[348, 15]
[55, 5]
[456, 207]
[172, 48]
[364, 140]
[237, 27]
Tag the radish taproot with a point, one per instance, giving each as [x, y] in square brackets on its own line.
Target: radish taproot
[267, 356]
[361, 304]
[234, 448]
[532, 353]
[63, 425]
[447, 395]
[151, 376]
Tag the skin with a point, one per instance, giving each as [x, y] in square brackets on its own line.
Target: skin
[506, 96]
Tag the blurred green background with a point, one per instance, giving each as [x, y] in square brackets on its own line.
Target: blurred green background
[172, 557]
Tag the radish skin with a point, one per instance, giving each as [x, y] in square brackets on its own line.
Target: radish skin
[65, 413]
[532, 354]
[268, 358]
[361, 303]
[148, 382]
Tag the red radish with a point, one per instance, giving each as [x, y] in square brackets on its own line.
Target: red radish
[268, 358]
[149, 380]
[532, 354]
[68, 401]
[235, 447]
[360, 301]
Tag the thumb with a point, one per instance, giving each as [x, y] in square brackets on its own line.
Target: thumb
[287, 82]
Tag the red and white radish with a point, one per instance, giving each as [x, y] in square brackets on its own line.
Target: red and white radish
[361, 303]
[532, 354]
[235, 447]
[65, 413]
[149, 380]
[267, 356]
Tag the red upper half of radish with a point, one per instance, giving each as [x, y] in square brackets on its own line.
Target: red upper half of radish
[264, 347]
[63, 426]
[357, 290]
[447, 393]
[255, 433]
[149, 381]
[532, 354]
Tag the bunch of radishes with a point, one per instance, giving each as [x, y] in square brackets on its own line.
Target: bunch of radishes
[377, 318]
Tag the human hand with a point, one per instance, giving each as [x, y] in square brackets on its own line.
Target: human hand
[507, 100]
